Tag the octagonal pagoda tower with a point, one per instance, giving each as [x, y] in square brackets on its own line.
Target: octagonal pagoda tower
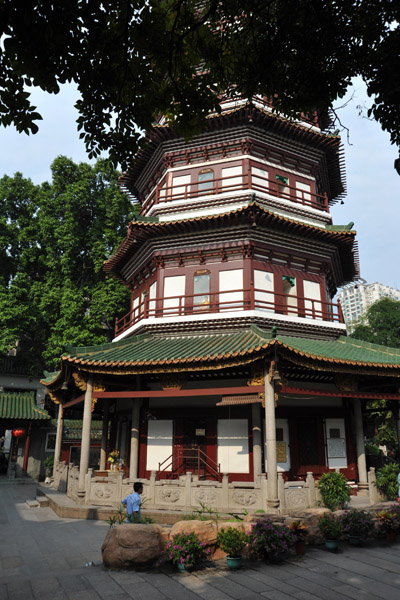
[235, 228]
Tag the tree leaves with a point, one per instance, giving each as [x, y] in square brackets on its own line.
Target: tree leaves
[135, 60]
[53, 241]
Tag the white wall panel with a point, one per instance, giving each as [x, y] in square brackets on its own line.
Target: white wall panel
[159, 443]
[264, 290]
[312, 290]
[233, 445]
[232, 177]
[336, 443]
[231, 280]
[173, 288]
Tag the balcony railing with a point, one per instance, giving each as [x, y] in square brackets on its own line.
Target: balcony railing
[230, 301]
[237, 183]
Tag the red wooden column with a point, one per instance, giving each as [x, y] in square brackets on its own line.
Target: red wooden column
[26, 451]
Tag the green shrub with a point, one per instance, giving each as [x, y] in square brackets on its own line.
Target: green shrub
[334, 489]
[358, 522]
[232, 541]
[48, 462]
[386, 481]
[330, 527]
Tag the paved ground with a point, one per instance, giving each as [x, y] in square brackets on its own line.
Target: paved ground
[43, 557]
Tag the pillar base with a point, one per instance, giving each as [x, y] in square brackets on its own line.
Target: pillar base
[273, 503]
[81, 495]
[363, 488]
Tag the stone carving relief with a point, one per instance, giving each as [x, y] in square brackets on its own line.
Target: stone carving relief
[206, 496]
[101, 491]
[244, 498]
[170, 494]
[296, 499]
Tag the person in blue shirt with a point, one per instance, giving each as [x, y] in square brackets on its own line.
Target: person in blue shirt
[132, 503]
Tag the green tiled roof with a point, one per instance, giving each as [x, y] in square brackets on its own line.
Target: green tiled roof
[48, 376]
[72, 429]
[166, 353]
[20, 405]
[345, 350]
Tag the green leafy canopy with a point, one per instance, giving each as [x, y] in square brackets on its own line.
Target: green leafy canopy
[134, 60]
[54, 239]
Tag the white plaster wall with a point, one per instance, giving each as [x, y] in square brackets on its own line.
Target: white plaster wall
[264, 280]
[231, 280]
[159, 443]
[179, 185]
[302, 189]
[333, 461]
[312, 290]
[258, 177]
[233, 445]
[174, 286]
[235, 177]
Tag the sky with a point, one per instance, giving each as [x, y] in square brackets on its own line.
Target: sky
[373, 185]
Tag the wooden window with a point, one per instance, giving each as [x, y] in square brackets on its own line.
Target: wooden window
[205, 180]
[201, 288]
[283, 185]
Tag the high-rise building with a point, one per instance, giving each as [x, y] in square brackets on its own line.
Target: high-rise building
[358, 297]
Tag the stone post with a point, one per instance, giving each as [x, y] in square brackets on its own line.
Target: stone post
[312, 495]
[270, 435]
[104, 434]
[134, 455]
[85, 445]
[281, 493]
[57, 449]
[361, 462]
[257, 440]
[225, 491]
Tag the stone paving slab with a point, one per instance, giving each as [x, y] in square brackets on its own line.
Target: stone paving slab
[43, 557]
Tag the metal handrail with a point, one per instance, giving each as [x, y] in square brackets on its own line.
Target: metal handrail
[176, 462]
[219, 302]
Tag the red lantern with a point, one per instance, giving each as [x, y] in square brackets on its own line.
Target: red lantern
[18, 433]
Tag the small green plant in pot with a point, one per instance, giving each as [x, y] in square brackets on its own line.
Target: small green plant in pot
[232, 541]
[358, 525]
[334, 490]
[331, 530]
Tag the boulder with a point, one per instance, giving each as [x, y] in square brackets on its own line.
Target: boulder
[132, 545]
[206, 531]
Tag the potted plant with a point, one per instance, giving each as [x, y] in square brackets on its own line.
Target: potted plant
[232, 541]
[184, 550]
[300, 531]
[270, 540]
[331, 530]
[358, 525]
[388, 523]
[334, 490]
[48, 464]
[387, 481]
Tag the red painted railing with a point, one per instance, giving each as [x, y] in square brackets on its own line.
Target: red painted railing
[237, 183]
[230, 301]
[193, 460]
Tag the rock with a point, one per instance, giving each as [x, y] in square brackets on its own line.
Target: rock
[132, 545]
[233, 524]
[206, 531]
[311, 519]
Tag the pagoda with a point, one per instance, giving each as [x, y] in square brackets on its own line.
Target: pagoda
[232, 371]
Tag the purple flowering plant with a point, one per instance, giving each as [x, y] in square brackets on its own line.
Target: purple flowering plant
[185, 549]
[357, 522]
[266, 538]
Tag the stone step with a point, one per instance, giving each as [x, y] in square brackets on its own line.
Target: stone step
[43, 501]
[32, 503]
